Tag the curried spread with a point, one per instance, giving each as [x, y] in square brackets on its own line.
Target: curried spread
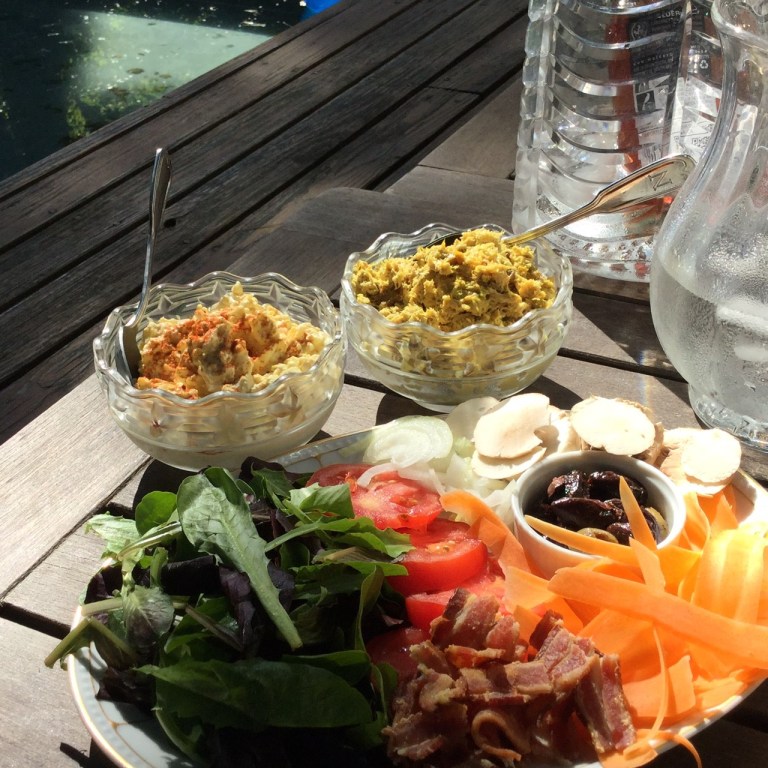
[476, 279]
[237, 345]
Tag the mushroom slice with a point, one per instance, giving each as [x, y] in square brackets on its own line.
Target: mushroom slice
[711, 457]
[617, 426]
[679, 436]
[464, 417]
[672, 467]
[506, 469]
[509, 431]
[563, 437]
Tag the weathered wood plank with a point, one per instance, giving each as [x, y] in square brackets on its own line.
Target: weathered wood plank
[89, 145]
[491, 197]
[38, 719]
[79, 456]
[333, 66]
[487, 144]
[188, 113]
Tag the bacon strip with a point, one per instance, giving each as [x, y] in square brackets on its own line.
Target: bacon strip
[480, 697]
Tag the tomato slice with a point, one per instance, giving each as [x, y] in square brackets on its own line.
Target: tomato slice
[444, 557]
[336, 474]
[392, 647]
[423, 608]
[389, 500]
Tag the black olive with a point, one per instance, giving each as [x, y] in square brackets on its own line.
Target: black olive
[570, 484]
[544, 512]
[578, 512]
[653, 524]
[604, 485]
[578, 501]
[621, 531]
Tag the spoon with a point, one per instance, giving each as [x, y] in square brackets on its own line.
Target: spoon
[128, 356]
[658, 179]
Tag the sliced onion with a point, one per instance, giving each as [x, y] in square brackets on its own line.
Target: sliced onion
[409, 440]
[420, 473]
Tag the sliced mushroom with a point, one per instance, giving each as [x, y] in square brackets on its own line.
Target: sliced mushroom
[702, 460]
[506, 469]
[712, 456]
[617, 426]
[561, 436]
[509, 431]
[464, 417]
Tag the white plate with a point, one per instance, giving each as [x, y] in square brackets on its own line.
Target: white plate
[133, 739]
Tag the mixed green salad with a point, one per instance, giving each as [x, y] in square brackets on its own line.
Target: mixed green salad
[238, 611]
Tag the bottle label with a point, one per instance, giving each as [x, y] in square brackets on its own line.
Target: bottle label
[654, 65]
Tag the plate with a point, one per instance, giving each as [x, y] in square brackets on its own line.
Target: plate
[133, 739]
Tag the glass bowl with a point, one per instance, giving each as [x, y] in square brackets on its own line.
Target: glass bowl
[440, 369]
[224, 428]
[546, 556]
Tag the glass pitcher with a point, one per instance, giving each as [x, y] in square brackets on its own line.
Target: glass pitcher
[709, 280]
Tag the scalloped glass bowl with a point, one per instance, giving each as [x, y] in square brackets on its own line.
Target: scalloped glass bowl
[441, 369]
[225, 428]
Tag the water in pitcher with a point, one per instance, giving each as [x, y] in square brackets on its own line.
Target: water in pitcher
[720, 346]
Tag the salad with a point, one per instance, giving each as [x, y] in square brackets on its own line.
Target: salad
[278, 619]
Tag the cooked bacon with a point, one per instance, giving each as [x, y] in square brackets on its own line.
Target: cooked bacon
[463, 657]
[467, 620]
[602, 703]
[505, 635]
[438, 689]
[428, 654]
[479, 700]
[501, 734]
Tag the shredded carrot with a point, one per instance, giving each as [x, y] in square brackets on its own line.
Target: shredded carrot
[637, 522]
[697, 528]
[646, 700]
[650, 565]
[486, 525]
[743, 642]
[578, 541]
[720, 510]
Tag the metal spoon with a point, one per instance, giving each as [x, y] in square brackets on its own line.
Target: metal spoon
[659, 179]
[128, 356]
[656, 180]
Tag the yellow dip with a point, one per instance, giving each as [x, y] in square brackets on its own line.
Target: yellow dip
[476, 279]
[237, 345]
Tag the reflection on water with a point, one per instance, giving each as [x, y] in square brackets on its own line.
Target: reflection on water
[68, 67]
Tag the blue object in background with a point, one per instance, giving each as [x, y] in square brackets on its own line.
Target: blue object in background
[315, 6]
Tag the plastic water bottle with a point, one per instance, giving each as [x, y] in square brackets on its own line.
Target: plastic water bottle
[599, 83]
[700, 82]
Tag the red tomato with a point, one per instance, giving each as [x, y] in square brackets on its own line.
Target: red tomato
[444, 557]
[392, 647]
[424, 607]
[389, 500]
[336, 474]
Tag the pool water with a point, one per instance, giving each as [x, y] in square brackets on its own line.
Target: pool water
[68, 67]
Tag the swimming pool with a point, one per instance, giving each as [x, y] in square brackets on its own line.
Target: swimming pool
[68, 67]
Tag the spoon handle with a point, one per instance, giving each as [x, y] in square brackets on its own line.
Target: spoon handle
[161, 181]
[652, 181]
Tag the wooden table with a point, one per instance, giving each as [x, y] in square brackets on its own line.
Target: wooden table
[72, 461]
